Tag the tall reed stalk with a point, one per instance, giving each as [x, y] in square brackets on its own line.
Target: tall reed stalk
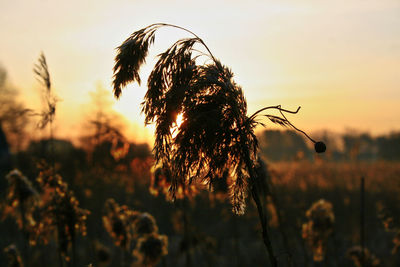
[216, 134]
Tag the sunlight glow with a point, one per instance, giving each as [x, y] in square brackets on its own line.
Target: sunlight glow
[179, 120]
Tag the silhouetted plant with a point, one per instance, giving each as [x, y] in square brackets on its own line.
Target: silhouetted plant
[13, 256]
[215, 134]
[319, 227]
[357, 255]
[41, 70]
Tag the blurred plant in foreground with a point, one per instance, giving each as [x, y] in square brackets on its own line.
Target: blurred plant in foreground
[13, 256]
[21, 201]
[118, 221]
[319, 227]
[369, 260]
[161, 183]
[389, 225]
[135, 229]
[60, 213]
[150, 248]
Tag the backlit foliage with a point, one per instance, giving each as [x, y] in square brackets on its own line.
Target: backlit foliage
[21, 201]
[161, 180]
[215, 134]
[118, 221]
[319, 227]
[60, 213]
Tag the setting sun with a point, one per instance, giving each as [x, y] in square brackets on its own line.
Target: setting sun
[179, 120]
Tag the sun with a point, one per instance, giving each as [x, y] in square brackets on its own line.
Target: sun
[175, 127]
[179, 120]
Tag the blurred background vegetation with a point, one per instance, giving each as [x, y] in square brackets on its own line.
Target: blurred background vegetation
[201, 229]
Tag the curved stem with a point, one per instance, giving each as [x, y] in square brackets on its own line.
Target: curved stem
[297, 129]
[195, 35]
[278, 107]
[282, 111]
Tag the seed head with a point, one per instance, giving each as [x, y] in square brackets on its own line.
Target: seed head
[320, 147]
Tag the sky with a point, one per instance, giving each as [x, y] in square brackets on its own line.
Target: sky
[338, 60]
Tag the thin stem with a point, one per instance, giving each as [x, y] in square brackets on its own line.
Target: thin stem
[362, 222]
[278, 107]
[297, 129]
[260, 203]
[282, 111]
[195, 35]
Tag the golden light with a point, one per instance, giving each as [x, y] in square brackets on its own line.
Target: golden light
[179, 120]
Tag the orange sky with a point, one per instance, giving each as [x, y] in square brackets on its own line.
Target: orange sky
[339, 60]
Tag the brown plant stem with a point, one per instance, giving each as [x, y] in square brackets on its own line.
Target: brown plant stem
[362, 221]
[259, 199]
[263, 221]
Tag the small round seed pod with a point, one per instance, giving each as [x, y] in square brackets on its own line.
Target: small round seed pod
[320, 147]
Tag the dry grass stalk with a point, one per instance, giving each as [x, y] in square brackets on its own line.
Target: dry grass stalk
[216, 134]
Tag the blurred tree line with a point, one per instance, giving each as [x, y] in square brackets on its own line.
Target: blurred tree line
[288, 145]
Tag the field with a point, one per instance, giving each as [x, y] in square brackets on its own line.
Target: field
[200, 228]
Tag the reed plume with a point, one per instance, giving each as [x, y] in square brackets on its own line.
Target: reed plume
[48, 113]
[216, 134]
